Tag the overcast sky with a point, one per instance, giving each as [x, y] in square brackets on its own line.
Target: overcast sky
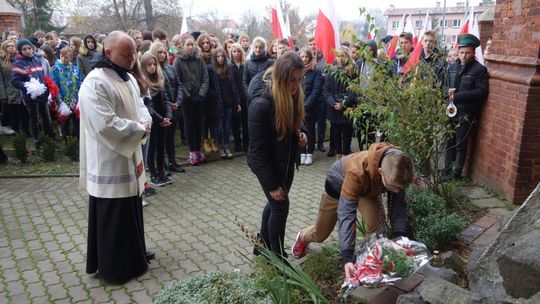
[345, 9]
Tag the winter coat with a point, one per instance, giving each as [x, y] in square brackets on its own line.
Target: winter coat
[84, 60]
[216, 87]
[68, 78]
[336, 91]
[175, 90]
[238, 72]
[8, 93]
[437, 63]
[61, 44]
[312, 85]
[270, 159]
[160, 107]
[471, 83]
[254, 66]
[25, 68]
[192, 72]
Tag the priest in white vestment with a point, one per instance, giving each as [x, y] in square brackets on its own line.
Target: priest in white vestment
[113, 124]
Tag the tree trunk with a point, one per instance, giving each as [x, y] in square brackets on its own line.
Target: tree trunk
[149, 15]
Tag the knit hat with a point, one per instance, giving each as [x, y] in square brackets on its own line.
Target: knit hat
[22, 42]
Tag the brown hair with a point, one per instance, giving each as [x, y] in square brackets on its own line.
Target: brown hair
[289, 110]
[221, 69]
[399, 166]
[142, 82]
[312, 63]
[66, 50]
[4, 55]
[156, 80]
[406, 35]
[154, 50]
[159, 34]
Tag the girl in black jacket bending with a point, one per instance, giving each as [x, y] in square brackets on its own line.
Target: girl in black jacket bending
[274, 120]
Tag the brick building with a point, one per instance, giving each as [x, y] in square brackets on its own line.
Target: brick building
[454, 17]
[10, 18]
[507, 153]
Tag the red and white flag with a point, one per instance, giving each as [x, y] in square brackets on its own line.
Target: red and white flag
[466, 26]
[478, 51]
[394, 45]
[418, 47]
[280, 28]
[184, 30]
[409, 28]
[327, 31]
[470, 26]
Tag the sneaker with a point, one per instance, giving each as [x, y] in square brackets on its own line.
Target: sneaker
[193, 158]
[148, 192]
[166, 180]
[144, 203]
[156, 181]
[6, 131]
[309, 159]
[229, 154]
[302, 159]
[299, 247]
[200, 156]
[223, 154]
[174, 167]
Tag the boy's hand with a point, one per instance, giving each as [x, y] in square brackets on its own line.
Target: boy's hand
[350, 271]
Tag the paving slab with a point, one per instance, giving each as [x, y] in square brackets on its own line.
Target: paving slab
[490, 202]
[475, 192]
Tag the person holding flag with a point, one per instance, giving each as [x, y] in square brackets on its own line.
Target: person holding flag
[402, 54]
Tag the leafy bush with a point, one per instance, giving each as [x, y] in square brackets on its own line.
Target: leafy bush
[268, 278]
[213, 288]
[71, 150]
[431, 223]
[48, 148]
[19, 144]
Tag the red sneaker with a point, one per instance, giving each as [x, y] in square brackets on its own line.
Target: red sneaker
[299, 247]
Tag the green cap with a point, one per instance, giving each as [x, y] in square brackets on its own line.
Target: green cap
[468, 40]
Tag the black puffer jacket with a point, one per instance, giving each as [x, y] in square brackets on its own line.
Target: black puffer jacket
[270, 159]
[175, 90]
[254, 66]
[336, 91]
[312, 85]
[471, 83]
[437, 63]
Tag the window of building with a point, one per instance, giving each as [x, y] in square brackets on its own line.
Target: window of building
[456, 23]
[395, 24]
[418, 23]
[453, 38]
[443, 38]
[443, 25]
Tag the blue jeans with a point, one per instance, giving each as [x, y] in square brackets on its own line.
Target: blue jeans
[223, 128]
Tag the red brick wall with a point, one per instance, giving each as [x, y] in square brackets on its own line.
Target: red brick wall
[10, 22]
[507, 153]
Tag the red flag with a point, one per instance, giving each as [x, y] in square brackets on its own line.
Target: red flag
[418, 47]
[326, 31]
[466, 27]
[278, 24]
[394, 42]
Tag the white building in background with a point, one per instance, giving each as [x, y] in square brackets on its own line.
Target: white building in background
[454, 17]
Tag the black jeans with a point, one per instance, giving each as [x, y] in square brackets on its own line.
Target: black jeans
[397, 212]
[193, 114]
[209, 119]
[169, 139]
[342, 136]
[274, 220]
[310, 121]
[19, 118]
[66, 126]
[36, 108]
[457, 144]
[156, 150]
[321, 122]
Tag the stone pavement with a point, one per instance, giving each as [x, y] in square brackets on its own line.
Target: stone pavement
[190, 225]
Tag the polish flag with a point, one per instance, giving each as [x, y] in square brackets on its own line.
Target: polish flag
[327, 31]
[280, 28]
[467, 25]
[184, 30]
[418, 47]
[394, 45]
[409, 27]
[478, 52]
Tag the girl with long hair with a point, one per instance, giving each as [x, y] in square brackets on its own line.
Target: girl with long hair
[225, 88]
[259, 61]
[173, 88]
[192, 72]
[161, 119]
[205, 43]
[311, 84]
[274, 118]
[15, 115]
[239, 120]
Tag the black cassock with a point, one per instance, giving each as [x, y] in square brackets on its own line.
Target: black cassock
[116, 247]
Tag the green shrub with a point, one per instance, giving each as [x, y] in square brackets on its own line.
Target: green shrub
[213, 288]
[71, 149]
[19, 144]
[269, 279]
[324, 263]
[431, 223]
[48, 148]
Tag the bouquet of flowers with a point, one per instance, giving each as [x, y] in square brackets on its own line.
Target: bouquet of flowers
[380, 260]
[35, 88]
[63, 112]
